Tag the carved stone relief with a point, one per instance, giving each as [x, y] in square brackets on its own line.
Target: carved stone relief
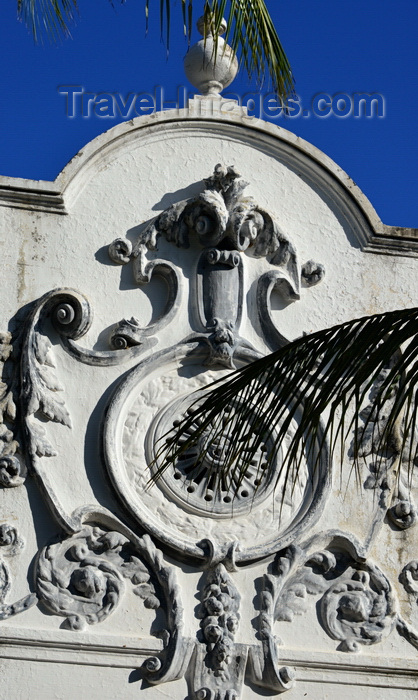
[82, 578]
[389, 476]
[356, 601]
[141, 412]
[12, 470]
[82, 575]
[219, 612]
[11, 544]
[226, 223]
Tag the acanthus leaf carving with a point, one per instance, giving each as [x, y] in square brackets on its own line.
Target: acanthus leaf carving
[8, 610]
[220, 664]
[78, 580]
[32, 387]
[220, 217]
[7, 401]
[292, 599]
[82, 578]
[409, 580]
[30, 394]
[264, 662]
[39, 385]
[12, 468]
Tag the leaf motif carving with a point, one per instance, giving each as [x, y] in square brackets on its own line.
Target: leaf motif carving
[302, 579]
[41, 446]
[357, 605]
[54, 410]
[49, 379]
[12, 470]
[10, 540]
[29, 393]
[42, 350]
[39, 392]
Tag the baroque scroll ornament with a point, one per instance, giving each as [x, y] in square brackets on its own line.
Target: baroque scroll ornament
[228, 225]
[357, 603]
[196, 515]
[225, 223]
[83, 578]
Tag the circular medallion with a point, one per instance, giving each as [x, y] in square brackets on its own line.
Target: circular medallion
[193, 501]
[198, 478]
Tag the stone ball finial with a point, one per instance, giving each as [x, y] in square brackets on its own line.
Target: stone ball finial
[201, 22]
[210, 74]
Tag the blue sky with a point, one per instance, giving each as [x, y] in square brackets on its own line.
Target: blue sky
[334, 47]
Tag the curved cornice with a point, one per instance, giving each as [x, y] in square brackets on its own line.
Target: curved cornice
[58, 197]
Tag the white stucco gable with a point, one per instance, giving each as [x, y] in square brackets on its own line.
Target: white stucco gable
[145, 270]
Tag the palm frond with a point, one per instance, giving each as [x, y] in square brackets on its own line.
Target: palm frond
[251, 32]
[47, 17]
[253, 37]
[319, 382]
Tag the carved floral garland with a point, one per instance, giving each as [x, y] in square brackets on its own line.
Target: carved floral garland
[220, 619]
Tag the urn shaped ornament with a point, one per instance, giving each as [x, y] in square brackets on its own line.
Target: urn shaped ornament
[209, 67]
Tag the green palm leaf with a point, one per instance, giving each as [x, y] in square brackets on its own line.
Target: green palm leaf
[313, 381]
[251, 32]
[50, 17]
[253, 36]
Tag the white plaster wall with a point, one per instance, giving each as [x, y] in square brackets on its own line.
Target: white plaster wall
[123, 179]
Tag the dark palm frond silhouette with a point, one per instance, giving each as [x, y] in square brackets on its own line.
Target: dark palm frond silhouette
[251, 32]
[321, 381]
